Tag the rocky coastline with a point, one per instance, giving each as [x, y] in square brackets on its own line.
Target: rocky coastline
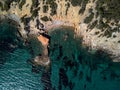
[59, 45]
[43, 59]
[44, 22]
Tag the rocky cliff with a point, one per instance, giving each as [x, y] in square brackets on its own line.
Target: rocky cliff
[97, 21]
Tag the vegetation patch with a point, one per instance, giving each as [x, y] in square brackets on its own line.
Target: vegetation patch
[109, 9]
[45, 18]
[89, 18]
[34, 7]
[81, 3]
[35, 13]
[102, 25]
[23, 19]
[53, 9]
[96, 33]
[45, 8]
[83, 6]
[1, 6]
[35, 3]
[7, 5]
[22, 3]
[93, 24]
[67, 7]
[53, 6]
[107, 33]
[76, 2]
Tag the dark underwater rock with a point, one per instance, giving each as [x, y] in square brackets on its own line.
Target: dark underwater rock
[88, 78]
[71, 85]
[60, 51]
[63, 77]
[80, 59]
[46, 80]
[36, 69]
[81, 75]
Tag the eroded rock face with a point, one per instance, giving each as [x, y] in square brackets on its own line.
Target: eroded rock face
[42, 60]
[88, 17]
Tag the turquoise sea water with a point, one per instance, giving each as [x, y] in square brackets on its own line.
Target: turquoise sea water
[73, 66]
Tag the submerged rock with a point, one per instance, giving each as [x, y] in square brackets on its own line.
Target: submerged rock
[42, 60]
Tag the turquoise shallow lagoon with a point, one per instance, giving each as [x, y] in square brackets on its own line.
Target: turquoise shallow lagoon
[73, 66]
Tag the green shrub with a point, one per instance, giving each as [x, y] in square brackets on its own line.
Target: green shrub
[53, 6]
[107, 33]
[22, 3]
[96, 33]
[67, 7]
[93, 24]
[7, 5]
[35, 3]
[1, 6]
[23, 19]
[89, 18]
[45, 8]
[35, 13]
[83, 5]
[76, 2]
[119, 41]
[45, 18]
[110, 11]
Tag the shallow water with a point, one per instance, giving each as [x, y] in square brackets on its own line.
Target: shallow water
[73, 66]
[15, 72]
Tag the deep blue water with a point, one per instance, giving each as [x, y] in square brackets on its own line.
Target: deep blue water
[73, 66]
